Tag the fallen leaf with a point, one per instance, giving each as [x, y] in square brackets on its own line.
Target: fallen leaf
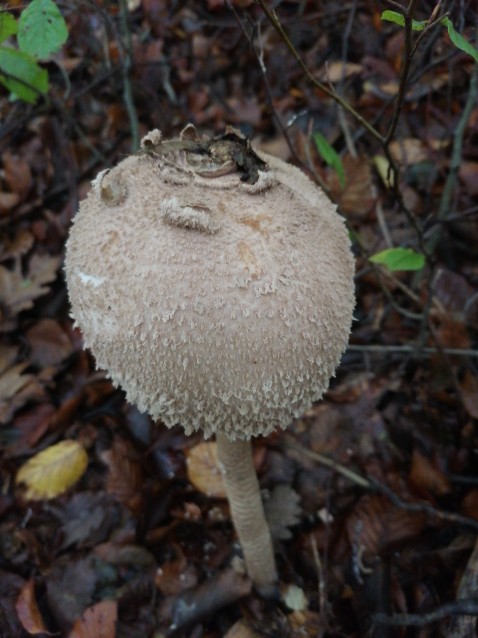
[240, 629]
[98, 621]
[408, 150]
[427, 477]
[203, 469]
[358, 196]
[16, 246]
[8, 201]
[18, 292]
[28, 611]
[125, 476]
[294, 598]
[49, 343]
[16, 389]
[30, 426]
[282, 510]
[53, 471]
[468, 173]
[221, 590]
[469, 393]
[377, 526]
[337, 71]
[88, 519]
[17, 174]
[12, 381]
[70, 587]
[175, 576]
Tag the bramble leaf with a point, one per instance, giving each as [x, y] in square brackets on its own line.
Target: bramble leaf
[8, 26]
[330, 156]
[399, 259]
[41, 29]
[459, 41]
[398, 18]
[21, 74]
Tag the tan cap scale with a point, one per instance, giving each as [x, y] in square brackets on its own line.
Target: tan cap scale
[214, 284]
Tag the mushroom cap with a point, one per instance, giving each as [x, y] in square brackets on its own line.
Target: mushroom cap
[214, 302]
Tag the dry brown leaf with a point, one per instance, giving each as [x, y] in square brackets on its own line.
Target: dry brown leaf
[240, 629]
[376, 525]
[18, 292]
[175, 576]
[49, 343]
[469, 505]
[12, 381]
[30, 427]
[98, 621]
[282, 510]
[428, 477]
[307, 624]
[16, 246]
[469, 393]
[468, 173]
[27, 610]
[16, 389]
[358, 197]
[409, 150]
[8, 201]
[337, 71]
[125, 476]
[203, 470]
[53, 471]
[17, 174]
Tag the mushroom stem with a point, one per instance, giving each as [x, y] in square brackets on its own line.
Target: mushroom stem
[242, 488]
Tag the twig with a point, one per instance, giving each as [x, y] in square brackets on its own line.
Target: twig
[320, 575]
[402, 85]
[466, 625]
[455, 162]
[260, 60]
[373, 485]
[408, 349]
[463, 606]
[272, 17]
[126, 68]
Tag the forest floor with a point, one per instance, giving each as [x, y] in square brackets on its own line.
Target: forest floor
[379, 481]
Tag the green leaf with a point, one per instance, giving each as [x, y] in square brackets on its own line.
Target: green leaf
[330, 156]
[20, 73]
[398, 18]
[459, 41]
[8, 26]
[399, 259]
[41, 29]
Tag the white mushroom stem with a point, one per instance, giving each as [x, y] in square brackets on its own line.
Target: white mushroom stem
[242, 488]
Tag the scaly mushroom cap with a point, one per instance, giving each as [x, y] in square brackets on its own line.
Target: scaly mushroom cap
[217, 298]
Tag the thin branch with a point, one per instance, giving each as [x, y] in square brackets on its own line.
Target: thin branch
[412, 349]
[456, 158]
[405, 68]
[260, 60]
[272, 17]
[461, 607]
[126, 68]
[373, 485]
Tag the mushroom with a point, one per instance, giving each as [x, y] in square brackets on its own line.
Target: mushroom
[214, 284]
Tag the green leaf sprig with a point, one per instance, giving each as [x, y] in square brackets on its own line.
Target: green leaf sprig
[40, 31]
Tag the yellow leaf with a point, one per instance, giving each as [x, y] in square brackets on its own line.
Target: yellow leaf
[383, 169]
[53, 471]
[203, 470]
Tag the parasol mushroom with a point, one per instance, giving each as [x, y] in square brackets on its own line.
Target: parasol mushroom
[214, 284]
